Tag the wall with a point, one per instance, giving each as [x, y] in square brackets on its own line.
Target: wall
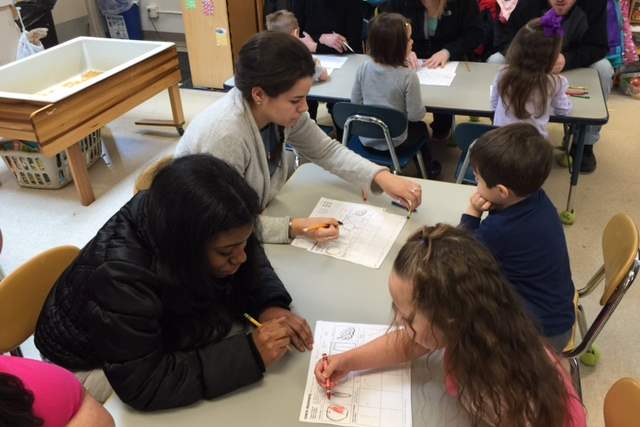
[166, 23]
[71, 20]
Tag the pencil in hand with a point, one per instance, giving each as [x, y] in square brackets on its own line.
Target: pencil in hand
[257, 324]
[319, 226]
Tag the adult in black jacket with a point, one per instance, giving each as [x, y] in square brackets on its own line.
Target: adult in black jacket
[331, 23]
[443, 30]
[151, 299]
[506, 29]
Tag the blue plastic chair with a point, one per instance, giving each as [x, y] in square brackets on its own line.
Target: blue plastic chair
[465, 135]
[374, 121]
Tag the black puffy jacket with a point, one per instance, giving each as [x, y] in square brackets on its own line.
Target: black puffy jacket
[160, 346]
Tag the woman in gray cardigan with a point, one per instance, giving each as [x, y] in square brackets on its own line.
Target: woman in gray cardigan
[249, 126]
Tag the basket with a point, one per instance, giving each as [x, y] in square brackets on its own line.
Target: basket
[34, 170]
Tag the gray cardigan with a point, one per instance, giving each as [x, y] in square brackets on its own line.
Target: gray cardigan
[228, 130]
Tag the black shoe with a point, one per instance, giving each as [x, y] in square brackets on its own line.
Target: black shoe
[589, 162]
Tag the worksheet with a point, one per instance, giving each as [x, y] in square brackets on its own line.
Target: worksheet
[331, 62]
[366, 234]
[438, 76]
[380, 398]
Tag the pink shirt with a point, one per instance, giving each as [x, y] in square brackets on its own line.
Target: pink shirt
[57, 392]
[577, 415]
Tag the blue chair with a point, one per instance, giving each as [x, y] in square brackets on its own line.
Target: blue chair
[465, 135]
[373, 121]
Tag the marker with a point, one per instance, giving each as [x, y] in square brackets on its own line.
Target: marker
[327, 382]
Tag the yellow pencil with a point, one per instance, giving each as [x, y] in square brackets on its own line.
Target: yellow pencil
[257, 324]
[466, 65]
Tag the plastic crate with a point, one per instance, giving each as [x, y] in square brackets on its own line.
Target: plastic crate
[34, 170]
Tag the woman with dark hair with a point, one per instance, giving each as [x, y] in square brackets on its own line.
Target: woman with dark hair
[150, 301]
[443, 31]
[34, 393]
[250, 126]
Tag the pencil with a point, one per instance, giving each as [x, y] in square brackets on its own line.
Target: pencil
[580, 96]
[257, 324]
[466, 65]
[319, 226]
[400, 205]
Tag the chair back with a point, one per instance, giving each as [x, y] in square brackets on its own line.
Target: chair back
[369, 120]
[619, 251]
[465, 135]
[144, 180]
[621, 403]
[23, 293]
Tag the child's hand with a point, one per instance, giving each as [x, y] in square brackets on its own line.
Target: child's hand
[334, 371]
[438, 59]
[412, 61]
[324, 75]
[478, 204]
[561, 62]
[309, 42]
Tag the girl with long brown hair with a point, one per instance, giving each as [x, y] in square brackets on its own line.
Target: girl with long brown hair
[448, 293]
[526, 89]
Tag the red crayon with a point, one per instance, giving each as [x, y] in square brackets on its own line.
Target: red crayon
[327, 384]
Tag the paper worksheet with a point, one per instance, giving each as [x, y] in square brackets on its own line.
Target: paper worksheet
[380, 398]
[438, 76]
[331, 62]
[366, 234]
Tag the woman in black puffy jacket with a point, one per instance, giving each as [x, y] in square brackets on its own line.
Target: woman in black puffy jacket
[150, 301]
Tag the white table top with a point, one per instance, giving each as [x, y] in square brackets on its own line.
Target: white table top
[323, 288]
[469, 93]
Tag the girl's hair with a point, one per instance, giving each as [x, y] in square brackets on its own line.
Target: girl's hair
[530, 58]
[190, 201]
[273, 61]
[493, 349]
[16, 404]
[387, 41]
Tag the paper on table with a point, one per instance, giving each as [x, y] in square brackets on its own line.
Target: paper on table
[367, 233]
[438, 76]
[331, 61]
[364, 398]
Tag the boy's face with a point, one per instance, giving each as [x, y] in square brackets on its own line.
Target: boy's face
[562, 7]
[493, 195]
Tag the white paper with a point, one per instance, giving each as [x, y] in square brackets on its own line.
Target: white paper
[366, 236]
[438, 76]
[331, 61]
[380, 398]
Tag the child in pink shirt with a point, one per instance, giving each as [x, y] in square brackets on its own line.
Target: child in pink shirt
[45, 392]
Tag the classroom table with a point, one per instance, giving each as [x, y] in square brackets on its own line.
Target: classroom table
[469, 94]
[324, 288]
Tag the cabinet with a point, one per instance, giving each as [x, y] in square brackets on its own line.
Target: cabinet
[215, 30]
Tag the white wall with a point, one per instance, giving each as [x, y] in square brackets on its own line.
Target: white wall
[67, 10]
[166, 23]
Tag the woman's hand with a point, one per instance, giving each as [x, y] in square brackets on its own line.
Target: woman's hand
[334, 371]
[334, 41]
[317, 229]
[271, 340]
[438, 59]
[412, 61]
[299, 330]
[403, 191]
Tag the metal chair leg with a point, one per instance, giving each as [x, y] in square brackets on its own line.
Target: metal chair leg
[423, 170]
[574, 363]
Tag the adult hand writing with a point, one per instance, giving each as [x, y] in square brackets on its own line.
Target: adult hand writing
[438, 59]
[272, 340]
[334, 41]
[299, 330]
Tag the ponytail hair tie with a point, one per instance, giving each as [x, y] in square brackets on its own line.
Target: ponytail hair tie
[551, 24]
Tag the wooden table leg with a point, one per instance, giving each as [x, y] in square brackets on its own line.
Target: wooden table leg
[176, 107]
[80, 174]
[176, 110]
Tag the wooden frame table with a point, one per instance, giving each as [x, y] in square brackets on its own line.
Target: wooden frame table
[58, 126]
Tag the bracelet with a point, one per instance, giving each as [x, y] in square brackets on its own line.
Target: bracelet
[291, 236]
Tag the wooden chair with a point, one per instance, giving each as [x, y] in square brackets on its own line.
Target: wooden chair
[144, 180]
[621, 404]
[620, 269]
[23, 293]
